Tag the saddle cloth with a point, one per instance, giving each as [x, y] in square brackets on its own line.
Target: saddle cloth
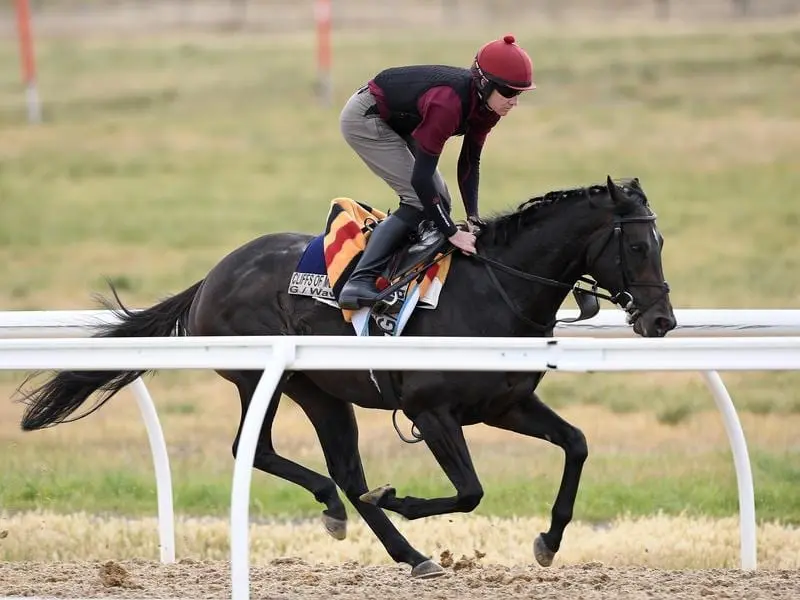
[331, 257]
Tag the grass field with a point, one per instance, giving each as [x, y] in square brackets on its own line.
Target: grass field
[161, 154]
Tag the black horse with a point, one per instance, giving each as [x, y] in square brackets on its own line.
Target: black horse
[528, 261]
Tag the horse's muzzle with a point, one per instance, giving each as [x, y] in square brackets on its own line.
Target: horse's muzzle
[657, 326]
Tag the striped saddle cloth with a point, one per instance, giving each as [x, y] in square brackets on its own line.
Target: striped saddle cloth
[331, 257]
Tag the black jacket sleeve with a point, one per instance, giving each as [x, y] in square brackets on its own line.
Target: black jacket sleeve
[468, 175]
[422, 182]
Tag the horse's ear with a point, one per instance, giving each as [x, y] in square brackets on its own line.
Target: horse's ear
[613, 191]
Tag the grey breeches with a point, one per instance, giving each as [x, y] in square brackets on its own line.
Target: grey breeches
[386, 153]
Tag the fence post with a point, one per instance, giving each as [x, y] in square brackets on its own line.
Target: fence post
[322, 16]
[238, 16]
[662, 10]
[450, 11]
[741, 8]
[283, 354]
[28, 61]
[158, 448]
[741, 462]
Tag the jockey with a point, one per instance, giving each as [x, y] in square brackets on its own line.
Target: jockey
[399, 123]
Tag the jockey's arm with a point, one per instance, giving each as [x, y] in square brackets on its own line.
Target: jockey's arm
[468, 174]
[440, 108]
[422, 181]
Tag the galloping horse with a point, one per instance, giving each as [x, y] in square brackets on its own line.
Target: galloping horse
[528, 260]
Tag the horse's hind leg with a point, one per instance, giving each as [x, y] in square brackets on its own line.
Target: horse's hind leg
[324, 490]
[445, 438]
[530, 416]
[335, 424]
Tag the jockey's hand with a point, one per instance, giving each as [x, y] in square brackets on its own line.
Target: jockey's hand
[464, 241]
[475, 225]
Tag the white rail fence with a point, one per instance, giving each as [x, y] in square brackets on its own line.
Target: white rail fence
[702, 342]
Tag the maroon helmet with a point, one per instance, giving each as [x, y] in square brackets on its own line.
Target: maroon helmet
[504, 66]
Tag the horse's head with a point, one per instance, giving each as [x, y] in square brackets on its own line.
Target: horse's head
[606, 231]
[625, 259]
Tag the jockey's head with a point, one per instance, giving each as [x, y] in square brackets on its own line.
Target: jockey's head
[502, 66]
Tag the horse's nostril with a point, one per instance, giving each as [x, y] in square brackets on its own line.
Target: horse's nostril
[665, 324]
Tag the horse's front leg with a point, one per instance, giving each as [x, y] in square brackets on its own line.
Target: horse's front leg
[530, 416]
[445, 438]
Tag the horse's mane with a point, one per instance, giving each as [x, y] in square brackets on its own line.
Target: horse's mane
[502, 227]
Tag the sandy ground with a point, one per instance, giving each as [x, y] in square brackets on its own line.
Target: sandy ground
[465, 578]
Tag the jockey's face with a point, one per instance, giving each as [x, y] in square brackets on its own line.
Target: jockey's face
[500, 103]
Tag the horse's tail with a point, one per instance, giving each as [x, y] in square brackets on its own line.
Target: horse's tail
[54, 401]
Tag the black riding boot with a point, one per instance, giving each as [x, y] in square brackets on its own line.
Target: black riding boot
[360, 289]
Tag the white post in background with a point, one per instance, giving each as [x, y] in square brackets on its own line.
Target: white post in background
[28, 62]
[158, 448]
[322, 16]
[741, 461]
[283, 354]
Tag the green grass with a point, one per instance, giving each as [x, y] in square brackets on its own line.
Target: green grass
[159, 154]
[193, 146]
[613, 485]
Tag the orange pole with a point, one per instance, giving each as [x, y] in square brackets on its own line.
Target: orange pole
[322, 10]
[28, 62]
[25, 41]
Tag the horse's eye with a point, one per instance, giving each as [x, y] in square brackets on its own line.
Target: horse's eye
[638, 248]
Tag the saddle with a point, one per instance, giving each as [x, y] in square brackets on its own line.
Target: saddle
[413, 277]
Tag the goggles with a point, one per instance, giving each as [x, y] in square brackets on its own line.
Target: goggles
[507, 92]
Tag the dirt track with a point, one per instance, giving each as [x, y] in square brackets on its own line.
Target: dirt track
[466, 578]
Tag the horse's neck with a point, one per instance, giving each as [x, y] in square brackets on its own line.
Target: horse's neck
[555, 247]
[551, 250]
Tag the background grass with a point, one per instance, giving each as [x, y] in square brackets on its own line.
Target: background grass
[639, 465]
[159, 154]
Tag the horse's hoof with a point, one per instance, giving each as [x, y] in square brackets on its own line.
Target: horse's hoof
[426, 570]
[544, 556]
[336, 528]
[374, 496]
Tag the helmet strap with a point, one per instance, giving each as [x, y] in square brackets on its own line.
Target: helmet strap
[483, 84]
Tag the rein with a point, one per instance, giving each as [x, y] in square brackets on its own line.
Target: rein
[582, 296]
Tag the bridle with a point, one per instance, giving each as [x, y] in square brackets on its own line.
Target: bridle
[587, 299]
[624, 298]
